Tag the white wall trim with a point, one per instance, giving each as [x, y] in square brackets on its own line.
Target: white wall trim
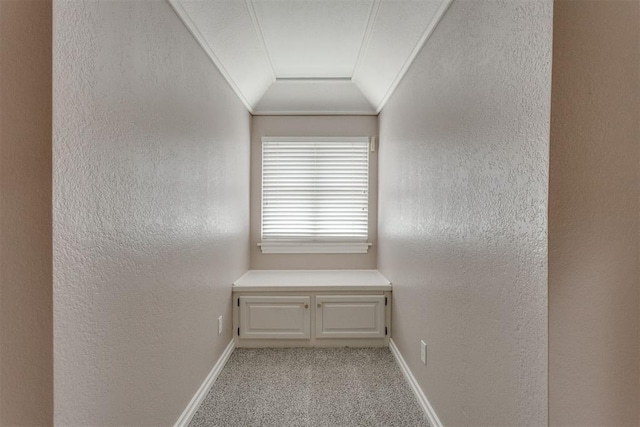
[193, 29]
[434, 421]
[444, 6]
[202, 392]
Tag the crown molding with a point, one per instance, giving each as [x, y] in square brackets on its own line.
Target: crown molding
[362, 53]
[193, 29]
[444, 6]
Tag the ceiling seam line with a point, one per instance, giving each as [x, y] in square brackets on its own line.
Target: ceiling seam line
[306, 79]
[315, 113]
[257, 29]
[366, 37]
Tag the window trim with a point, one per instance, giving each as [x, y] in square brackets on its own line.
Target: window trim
[274, 247]
[302, 246]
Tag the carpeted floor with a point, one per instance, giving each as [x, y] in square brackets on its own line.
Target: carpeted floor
[310, 387]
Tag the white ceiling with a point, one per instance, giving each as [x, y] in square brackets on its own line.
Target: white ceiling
[312, 56]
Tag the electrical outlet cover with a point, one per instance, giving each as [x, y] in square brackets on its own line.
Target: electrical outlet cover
[423, 352]
[219, 325]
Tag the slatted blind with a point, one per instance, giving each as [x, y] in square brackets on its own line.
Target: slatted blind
[315, 189]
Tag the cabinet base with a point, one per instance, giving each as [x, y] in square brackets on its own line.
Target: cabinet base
[288, 343]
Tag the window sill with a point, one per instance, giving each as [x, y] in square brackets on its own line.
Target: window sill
[314, 247]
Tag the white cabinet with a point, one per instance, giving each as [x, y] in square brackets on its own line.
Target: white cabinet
[350, 316]
[312, 308]
[283, 317]
[314, 319]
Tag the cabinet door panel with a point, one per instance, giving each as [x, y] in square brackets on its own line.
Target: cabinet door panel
[275, 317]
[357, 316]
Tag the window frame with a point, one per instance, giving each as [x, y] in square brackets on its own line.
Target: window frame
[314, 246]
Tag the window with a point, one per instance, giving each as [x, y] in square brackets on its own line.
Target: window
[315, 195]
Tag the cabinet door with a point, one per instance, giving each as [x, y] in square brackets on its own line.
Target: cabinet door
[275, 317]
[358, 316]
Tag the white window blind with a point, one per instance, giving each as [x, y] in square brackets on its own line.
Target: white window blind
[315, 189]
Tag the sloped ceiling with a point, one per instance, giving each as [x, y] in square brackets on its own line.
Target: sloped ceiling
[312, 56]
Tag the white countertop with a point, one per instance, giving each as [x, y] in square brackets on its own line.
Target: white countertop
[311, 280]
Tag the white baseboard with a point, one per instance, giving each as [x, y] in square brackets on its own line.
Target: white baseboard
[202, 392]
[434, 421]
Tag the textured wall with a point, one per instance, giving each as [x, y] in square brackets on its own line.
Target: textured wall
[310, 126]
[151, 212]
[26, 318]
[463, 212]
[594, 280]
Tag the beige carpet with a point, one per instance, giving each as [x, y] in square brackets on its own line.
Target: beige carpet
[310, 387]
